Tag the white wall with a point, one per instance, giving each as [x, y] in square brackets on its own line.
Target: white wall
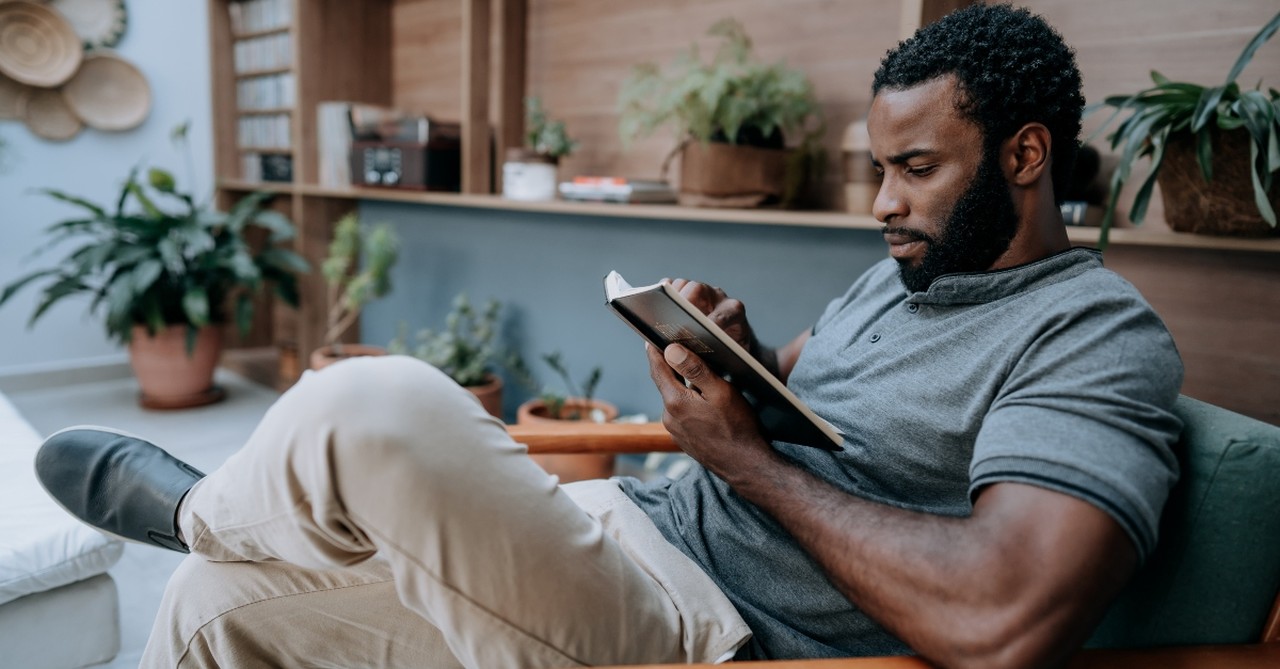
[168, 40]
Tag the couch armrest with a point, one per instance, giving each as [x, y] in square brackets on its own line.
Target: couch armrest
[1244, 656]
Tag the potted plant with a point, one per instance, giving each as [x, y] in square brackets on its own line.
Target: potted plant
[578, 404]
[466, 349]
[1196, 135]
[352, 286]
[530, 173]
[169, 274]
[734, 116]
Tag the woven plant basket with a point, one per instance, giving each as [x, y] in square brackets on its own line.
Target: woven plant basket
[1223, 206]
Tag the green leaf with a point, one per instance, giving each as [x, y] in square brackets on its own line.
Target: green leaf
[1139, 210]
[244, 313]
[284, 259]
[1206, 107]
[147, 205]
[1260, 191]
[1204, 153]
[195, 304]
[1258, 40]
[278, 224]
[192, 334]
[78, 201]
[145, 274]
[172, 256]
[1255, 109]
[65, 286]
[161, 180]
[129, 184]
[245, 209]
[11, 289]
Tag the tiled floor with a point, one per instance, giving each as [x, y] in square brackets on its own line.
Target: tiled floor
[204, 437]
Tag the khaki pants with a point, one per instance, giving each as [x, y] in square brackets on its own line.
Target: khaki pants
[378, 517]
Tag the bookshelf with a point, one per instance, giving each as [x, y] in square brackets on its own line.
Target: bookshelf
[473, 60]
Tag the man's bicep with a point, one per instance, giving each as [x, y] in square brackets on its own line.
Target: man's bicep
[1068, 558]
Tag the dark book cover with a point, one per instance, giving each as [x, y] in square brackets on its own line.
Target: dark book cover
[663, 316]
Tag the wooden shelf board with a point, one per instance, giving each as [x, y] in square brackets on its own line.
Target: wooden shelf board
[265, 149]
[264, 111]
[813, 219]
[1151, 237]
[261, 33]
[250, 186]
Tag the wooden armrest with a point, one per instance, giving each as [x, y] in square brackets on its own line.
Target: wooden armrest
[568, 436]
[1244, 656]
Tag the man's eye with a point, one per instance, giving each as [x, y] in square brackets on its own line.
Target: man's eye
[920, 171]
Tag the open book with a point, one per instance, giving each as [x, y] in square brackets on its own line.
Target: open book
[663, 316]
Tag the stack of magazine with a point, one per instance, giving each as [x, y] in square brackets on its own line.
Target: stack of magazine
[617, 189]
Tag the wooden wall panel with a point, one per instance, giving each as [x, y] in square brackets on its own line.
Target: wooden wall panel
[580, 52]
[1223, 309]
[426, 60]
[1119, 42]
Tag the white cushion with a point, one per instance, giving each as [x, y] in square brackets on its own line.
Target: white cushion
[41, 546]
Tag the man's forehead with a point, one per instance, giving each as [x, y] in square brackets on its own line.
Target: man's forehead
[918, 114]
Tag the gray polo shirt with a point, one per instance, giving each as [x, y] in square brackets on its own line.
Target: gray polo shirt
[1056, 374]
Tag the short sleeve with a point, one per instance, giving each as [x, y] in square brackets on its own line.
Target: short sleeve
[1087, 411]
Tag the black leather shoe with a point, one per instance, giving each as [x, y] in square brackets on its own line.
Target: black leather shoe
[118, 483]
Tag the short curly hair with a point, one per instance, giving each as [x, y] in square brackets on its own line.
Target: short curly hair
[1012, 69]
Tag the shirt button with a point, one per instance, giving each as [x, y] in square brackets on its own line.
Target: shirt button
[913, 307]
[875, 337]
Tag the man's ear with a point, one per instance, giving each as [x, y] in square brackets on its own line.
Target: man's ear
[1025, 155]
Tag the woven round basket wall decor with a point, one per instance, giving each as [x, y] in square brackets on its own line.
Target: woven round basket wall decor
[1223, 206]
[48, 116]
[13, 99]
[37, 45]
[108, 93]
[99, 23]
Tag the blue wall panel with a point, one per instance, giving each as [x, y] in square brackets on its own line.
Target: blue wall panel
[547, 269]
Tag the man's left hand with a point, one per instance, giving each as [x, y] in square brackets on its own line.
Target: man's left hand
[709, 419]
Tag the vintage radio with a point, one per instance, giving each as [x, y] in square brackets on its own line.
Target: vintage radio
[435, 165]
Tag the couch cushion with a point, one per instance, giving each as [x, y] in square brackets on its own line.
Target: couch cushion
[41, 546]
[1216, 569]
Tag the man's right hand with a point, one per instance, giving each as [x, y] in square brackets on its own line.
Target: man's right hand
[728, 313]
[731, 316]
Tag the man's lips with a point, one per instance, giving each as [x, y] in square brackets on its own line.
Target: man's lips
[904, 244]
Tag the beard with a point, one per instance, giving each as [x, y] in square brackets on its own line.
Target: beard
[978, 231]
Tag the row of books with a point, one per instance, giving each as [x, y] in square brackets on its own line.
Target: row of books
[272, 91]
[269, 131]
[617, 189]
[266, 167]
[248, 16]
[269, 52]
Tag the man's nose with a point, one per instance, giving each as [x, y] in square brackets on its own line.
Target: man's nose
[889, 203]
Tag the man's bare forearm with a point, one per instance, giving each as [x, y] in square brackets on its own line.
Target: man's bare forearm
[958, 590]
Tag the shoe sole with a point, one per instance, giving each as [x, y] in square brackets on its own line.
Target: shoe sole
[111, 430]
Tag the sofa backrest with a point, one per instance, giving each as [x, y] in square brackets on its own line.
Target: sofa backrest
[1215, 573]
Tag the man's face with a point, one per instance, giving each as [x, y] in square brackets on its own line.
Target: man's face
[944, 201]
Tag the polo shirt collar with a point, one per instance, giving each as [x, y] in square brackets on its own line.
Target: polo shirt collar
[982, 287]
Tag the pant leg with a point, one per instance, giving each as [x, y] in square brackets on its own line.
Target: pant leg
[389, 456]
[268, 615]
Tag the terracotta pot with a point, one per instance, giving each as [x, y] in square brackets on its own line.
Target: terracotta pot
[1223, 206]
[169, 378]
[570, 467]
[489, 394]
[327, 355]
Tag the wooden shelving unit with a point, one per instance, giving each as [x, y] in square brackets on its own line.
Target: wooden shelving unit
[471, 60]
[809, 219]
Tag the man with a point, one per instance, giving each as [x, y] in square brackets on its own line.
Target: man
[1006, 400]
